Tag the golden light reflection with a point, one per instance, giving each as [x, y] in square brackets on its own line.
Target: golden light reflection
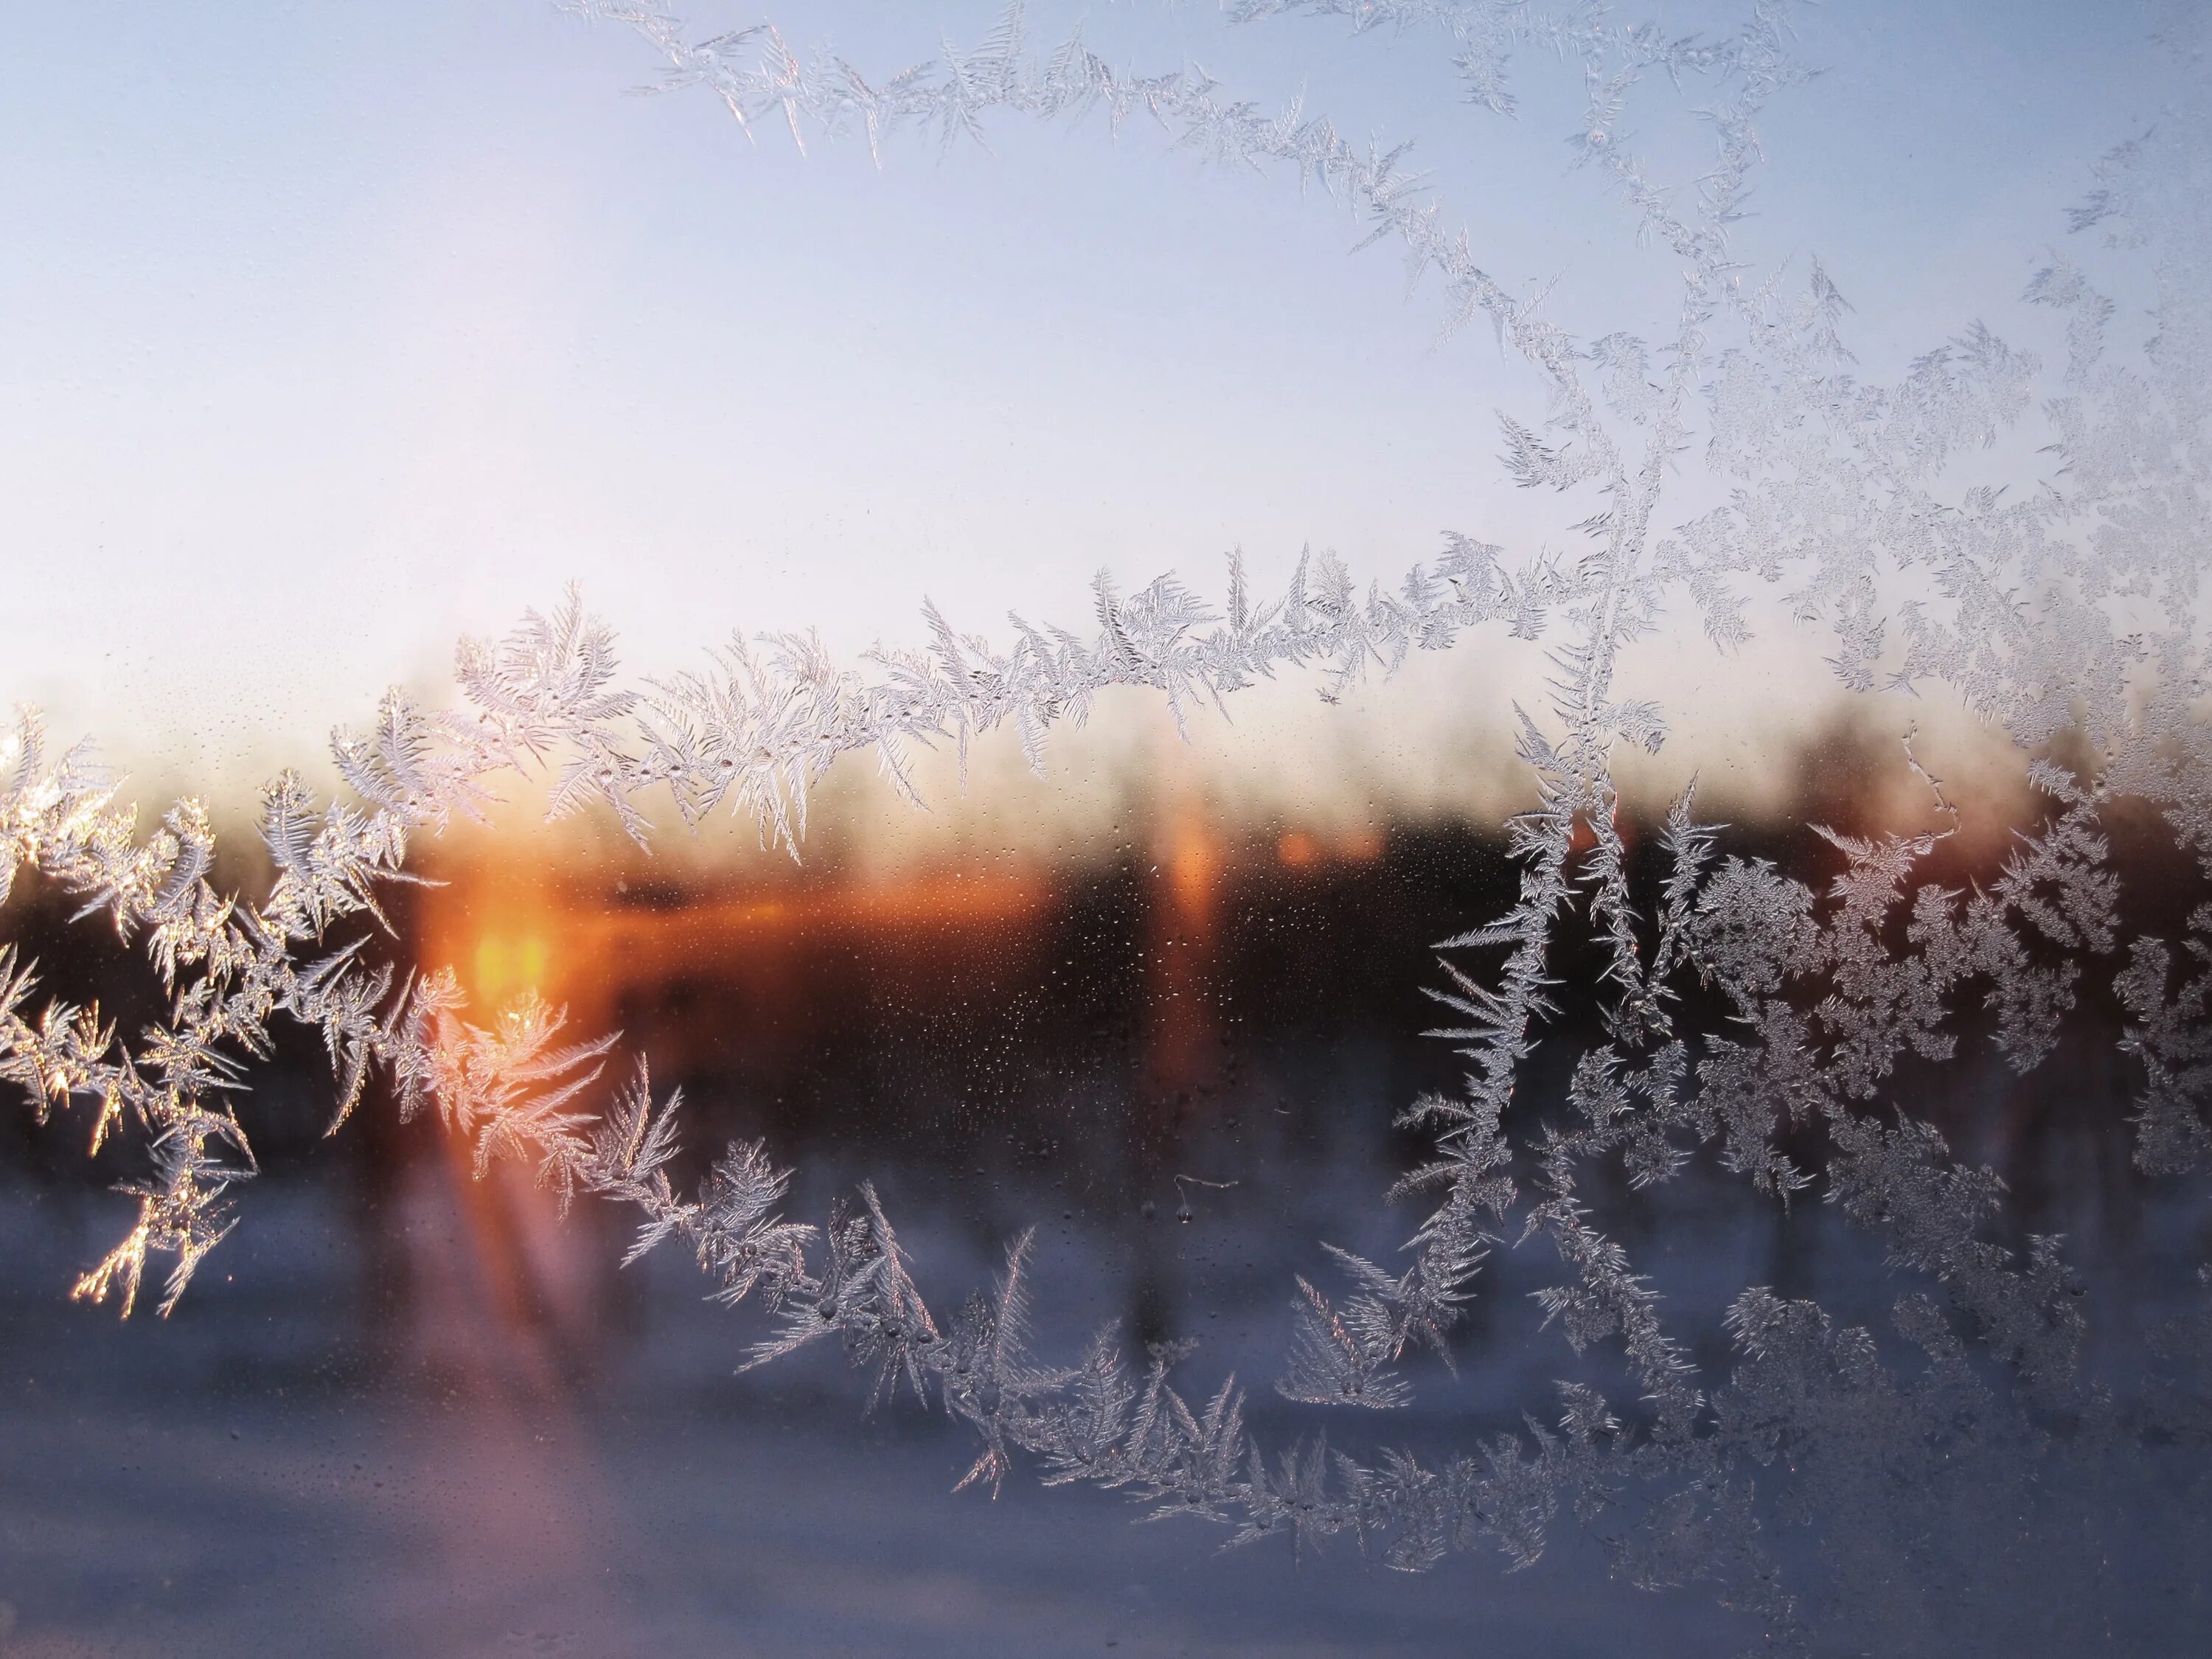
[605, 951]
[1181, 953]
[1194, 863]
[507, 967]
[584, 947]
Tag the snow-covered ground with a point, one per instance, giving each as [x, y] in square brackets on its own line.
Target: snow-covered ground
[517, 1451]
[272, 1471]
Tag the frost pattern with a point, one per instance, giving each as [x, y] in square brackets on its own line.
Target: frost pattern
[1742, 1008]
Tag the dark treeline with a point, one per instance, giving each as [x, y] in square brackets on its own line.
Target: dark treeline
[1128, 1023]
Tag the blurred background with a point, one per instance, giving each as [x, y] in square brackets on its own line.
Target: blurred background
[403, 1411]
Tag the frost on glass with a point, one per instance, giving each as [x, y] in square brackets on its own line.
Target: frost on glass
[1750, 1020]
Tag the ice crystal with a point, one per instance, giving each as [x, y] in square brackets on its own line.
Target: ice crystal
[1749, 1019]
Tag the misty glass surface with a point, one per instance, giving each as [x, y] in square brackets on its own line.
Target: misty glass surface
[1073, 926]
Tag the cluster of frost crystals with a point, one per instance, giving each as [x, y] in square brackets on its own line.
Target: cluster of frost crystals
[1746, 1015]
[757, 726]
[231, 968]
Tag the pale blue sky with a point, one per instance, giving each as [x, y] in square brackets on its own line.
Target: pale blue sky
[333, 330]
